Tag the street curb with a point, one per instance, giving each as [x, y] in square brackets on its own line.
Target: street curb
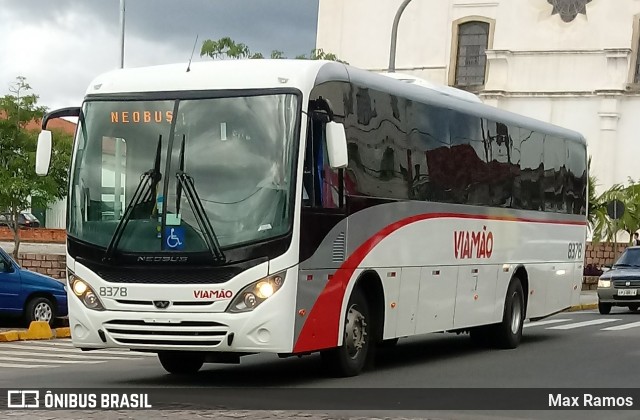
[64, 332]
[38, 330]
[8, 336]
[585, 307]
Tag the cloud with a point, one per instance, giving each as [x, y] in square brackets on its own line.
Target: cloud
[60, 46]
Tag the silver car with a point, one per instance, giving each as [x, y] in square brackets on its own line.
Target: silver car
[620, 286]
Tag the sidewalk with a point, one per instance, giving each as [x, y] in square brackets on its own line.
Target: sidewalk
[588, 300]
[35, 248]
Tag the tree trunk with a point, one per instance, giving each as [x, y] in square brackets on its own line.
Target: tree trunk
[16, 234]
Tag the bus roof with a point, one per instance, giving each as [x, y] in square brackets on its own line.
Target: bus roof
[457, 102]
[447, 90]
[209, 75]
[302, 75]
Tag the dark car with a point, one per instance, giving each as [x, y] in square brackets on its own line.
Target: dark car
[25, 220]
[620, 286]
[25, 293]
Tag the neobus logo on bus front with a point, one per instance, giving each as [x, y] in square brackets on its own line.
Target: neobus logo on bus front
[468, 244]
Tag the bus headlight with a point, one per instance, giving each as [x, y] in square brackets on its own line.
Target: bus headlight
[85, 293]
[257, 292]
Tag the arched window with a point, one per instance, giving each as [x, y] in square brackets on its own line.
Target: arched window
[471, 63]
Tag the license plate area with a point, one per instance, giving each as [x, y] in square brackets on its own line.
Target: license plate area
[627, 292]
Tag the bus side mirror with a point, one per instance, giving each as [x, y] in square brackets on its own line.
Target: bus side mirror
[337, 145]
[43, 153]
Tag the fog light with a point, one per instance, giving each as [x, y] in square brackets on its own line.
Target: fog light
[79, 331]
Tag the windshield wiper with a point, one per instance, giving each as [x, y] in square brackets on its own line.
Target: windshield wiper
[185, 182]
[148, 179]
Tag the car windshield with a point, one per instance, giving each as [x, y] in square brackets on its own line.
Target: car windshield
[238, 153]
[630, 258]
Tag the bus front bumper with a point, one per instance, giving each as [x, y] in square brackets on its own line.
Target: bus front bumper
[261, 330]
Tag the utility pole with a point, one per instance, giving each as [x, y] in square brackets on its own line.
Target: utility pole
[394, 36]
[122, 34]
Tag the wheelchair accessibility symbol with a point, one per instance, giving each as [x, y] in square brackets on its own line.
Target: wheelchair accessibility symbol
[174, 238]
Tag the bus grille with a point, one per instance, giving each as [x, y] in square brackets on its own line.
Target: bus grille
[186, 333]
[174, 303]
[169, 276]
[339, 251]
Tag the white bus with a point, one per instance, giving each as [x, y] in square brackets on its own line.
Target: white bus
[297, 206]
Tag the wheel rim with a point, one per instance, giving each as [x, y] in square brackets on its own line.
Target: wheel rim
[516, 314]
[355, 332]
[42, 312]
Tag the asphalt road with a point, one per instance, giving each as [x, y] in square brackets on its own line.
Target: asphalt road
[569, 350]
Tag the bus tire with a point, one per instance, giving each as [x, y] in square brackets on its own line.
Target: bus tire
[351, 358]
[508, 333]
[181, 363]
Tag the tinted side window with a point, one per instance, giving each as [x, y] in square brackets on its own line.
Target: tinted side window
[576, 177]
[531, 170]
[554, 174]
[428, 141]
[471, 176]
[377, 140]
[516, 136]
[501, 168]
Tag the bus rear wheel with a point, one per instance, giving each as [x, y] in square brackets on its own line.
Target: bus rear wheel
[508, 333]
[181, 363]
[350, 358]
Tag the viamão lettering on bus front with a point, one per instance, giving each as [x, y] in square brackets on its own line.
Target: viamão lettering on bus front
[212, 294]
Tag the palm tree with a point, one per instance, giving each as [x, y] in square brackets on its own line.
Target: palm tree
[602, 226]
[597, 210]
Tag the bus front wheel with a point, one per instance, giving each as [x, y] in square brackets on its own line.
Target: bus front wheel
[508, 333]
[350, 358]
[181, 363]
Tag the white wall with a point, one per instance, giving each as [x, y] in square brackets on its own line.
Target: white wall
[56, 215]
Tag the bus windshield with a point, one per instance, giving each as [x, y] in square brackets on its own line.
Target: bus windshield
[237, 153]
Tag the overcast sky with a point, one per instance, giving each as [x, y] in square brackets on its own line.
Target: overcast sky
[61, 45]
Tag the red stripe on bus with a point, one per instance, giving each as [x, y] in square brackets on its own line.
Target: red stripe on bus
[320, 330]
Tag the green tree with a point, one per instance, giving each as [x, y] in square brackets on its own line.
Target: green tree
[19, 184]
[228, 48]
